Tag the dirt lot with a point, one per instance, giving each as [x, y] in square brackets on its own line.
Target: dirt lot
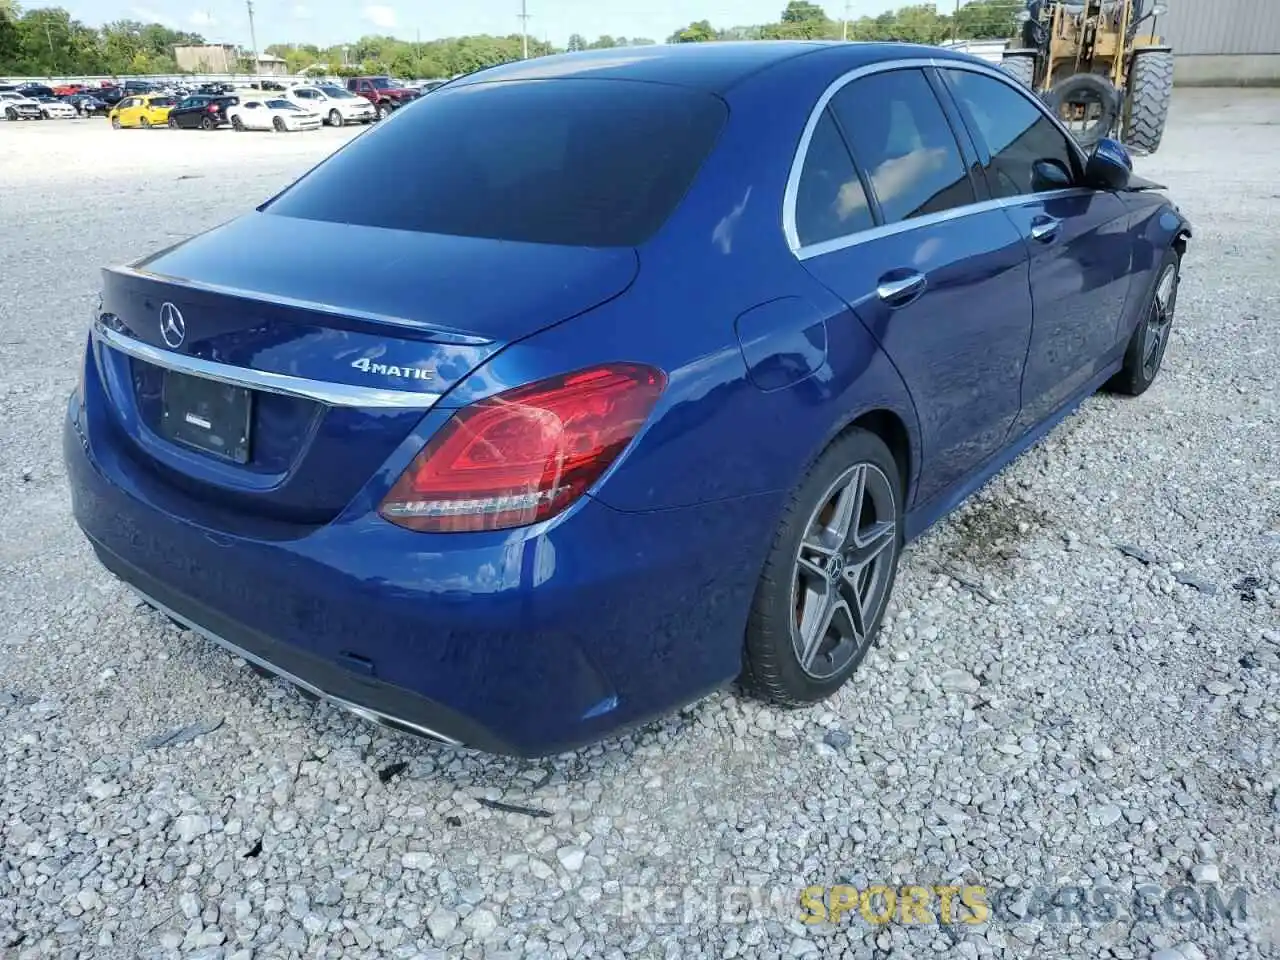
[1077, 690]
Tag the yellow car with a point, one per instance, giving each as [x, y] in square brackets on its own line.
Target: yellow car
[148, 110]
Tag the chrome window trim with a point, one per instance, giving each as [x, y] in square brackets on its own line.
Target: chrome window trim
[804, 252]
[955, 213]
[403, 323]
[333, 394]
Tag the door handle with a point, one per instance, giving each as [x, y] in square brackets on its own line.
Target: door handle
[1044, 229]
[901, 290]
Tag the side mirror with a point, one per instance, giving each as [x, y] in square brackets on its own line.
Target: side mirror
[1048, 175]
[1109, 166]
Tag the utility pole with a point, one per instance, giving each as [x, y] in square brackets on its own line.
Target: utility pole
[253, 38]
[53, 57]
[524, 29]
[844, 24]
[955, 23]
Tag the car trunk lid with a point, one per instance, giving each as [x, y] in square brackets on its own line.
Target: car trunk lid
[320, 344]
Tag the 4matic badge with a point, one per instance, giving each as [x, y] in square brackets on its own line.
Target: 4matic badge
[365, 365]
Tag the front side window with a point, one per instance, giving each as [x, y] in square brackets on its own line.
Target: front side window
[901, 138]
[830, 201]
[569, 161]
[1015, 131]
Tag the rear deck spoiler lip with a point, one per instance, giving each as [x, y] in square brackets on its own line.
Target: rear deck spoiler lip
[434, 333]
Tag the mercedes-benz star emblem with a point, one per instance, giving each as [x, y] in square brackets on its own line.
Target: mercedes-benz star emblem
[172, 327]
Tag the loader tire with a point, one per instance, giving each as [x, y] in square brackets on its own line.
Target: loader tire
[1150, 90]
[1020, 66]
[1086, 87]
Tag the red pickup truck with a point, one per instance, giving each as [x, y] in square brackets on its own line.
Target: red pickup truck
[383, 92]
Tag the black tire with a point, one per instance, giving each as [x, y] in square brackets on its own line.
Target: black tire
[384, 110]
[145, 123]
[1020, 66]
[772, 667]
[1150, 338]
[173, 124]
[206, 123]
[11, 114]
[277, 123]
[115, 123]
[1086, 87]
[237, 124]
[335, 118]
[1150, 92]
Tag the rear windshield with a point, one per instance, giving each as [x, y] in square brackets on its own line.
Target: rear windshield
[568, 161]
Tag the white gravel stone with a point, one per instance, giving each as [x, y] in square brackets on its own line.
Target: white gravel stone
[959, 681]
[571, 858]
[1206, 873]
[441, 923]
[191, 827]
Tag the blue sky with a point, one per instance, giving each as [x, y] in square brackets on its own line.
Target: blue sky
[325, 22]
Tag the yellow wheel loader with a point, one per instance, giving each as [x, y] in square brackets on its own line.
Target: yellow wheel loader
[1099, 64]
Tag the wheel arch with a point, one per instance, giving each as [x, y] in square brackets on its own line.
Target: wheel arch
[892, 427]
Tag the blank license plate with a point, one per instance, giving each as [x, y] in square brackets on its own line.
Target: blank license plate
[207, 415]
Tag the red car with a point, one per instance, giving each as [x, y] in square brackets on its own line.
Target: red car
[383, 92]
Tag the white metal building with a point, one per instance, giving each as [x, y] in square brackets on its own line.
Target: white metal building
[1223, 41]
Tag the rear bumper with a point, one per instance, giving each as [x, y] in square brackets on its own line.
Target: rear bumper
[368, 698]
[517, 643]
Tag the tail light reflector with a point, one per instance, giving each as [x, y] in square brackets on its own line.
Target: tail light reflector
[524, 455]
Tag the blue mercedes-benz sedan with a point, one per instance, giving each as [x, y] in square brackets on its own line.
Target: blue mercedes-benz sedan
[588, 384]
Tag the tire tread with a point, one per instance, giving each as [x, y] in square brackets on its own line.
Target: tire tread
[1150, 92]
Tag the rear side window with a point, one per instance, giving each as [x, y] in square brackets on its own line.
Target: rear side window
[1015, 132]
[567, 161]
[830, 201]
[901, 138]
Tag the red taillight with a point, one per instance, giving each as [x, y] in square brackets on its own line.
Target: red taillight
[213, 108]
[526, 454]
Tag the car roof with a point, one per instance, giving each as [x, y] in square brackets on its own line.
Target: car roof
[709, 66]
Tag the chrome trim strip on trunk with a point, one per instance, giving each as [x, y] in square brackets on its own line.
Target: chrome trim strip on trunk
[333, 394]
[436, 334]
[356, 709]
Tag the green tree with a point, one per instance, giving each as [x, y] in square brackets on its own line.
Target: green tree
[698, 32]
[802, 11]
[577, 42]
[987, 20]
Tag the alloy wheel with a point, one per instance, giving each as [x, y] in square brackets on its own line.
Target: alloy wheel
[1159, 320]
[843, 570]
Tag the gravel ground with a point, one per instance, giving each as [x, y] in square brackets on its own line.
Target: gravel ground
[1077, 687]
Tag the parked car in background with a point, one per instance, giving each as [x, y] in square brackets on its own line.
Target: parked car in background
[202, 112]
[66, 89]
[87, 104]
[54, 108]
[336, 105]
[385, 93]
[110, 95]
[36, 90]
[148, 110]
[17, 106]
[277, 114]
